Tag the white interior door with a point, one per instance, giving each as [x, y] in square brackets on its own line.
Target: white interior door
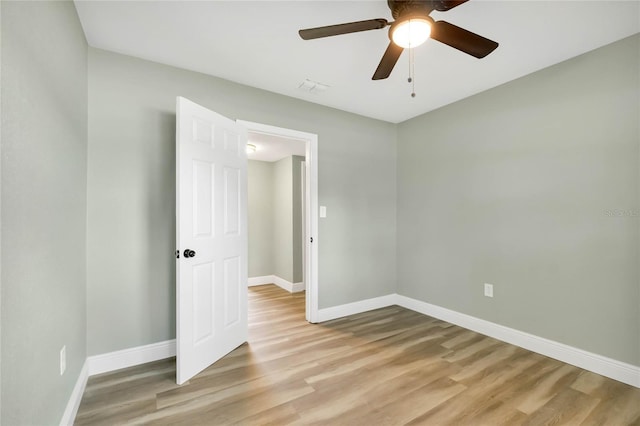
[211, 216]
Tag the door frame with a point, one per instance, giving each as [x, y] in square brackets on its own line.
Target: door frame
[311, 208]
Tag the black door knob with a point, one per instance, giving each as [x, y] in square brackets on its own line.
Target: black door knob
[189, 253]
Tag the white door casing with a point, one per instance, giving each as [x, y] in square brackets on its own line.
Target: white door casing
[311, 208]
[211, 220]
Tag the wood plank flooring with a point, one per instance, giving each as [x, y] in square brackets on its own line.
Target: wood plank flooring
[390, 366]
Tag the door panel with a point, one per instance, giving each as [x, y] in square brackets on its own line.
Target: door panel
[203, 187]
[231, 201]
[232, 288]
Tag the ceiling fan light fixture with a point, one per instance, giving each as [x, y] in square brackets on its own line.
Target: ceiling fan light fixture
[411, 32]
[412, 27]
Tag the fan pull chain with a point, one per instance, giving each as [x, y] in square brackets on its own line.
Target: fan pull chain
[412, 73]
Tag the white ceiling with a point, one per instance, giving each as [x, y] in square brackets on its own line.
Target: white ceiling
[256, 43]
[274, 148]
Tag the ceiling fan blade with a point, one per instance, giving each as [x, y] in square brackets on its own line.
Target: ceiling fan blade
[388, 61]
[463, 40]
[351, 27]
[444, 5]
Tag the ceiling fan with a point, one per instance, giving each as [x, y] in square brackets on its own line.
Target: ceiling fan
[412, 27]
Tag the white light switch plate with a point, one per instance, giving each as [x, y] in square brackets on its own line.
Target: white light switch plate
[63, 359]
[488, 290]
[323, 211]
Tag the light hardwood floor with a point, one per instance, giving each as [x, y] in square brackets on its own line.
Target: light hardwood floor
[390, 366]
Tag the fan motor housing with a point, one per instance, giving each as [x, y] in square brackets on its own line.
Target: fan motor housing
[400, 8]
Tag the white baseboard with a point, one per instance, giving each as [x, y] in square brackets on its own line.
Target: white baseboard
[280, 282]
[69, 415]
[340, 311]
[608, 367]
[129, 357]
[297, 287]
[599, 364]
[254, 281]
[617, 370]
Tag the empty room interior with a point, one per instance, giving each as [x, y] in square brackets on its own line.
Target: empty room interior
[245, 212]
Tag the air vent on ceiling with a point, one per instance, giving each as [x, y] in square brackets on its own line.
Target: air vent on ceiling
[312, 86]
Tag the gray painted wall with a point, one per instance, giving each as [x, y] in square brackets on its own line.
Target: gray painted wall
[283, 219]
[275, 219]
[131, 202]
[260, 218]
[44, 149]
[515, 187]
[296, 221]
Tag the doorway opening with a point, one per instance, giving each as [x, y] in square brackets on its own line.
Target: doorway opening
[293, 158]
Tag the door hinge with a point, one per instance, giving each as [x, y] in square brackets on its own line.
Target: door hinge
[311, 239]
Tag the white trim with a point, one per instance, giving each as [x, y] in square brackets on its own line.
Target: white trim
[130, 357]
[311, 160]
[303, 221]
[311, 282]
[254, 281]
[340, 311]
[289, 286]
[608, 367]
[274, 279]
[69, 415]
[599, 364]
[617, 370]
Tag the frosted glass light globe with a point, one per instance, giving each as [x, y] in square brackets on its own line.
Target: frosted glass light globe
[411, 33]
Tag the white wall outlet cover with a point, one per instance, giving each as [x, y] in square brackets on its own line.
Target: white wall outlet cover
[323, 211]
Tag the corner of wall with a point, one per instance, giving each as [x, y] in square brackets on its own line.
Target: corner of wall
[48, 303]
[396, 141]
[69, 415]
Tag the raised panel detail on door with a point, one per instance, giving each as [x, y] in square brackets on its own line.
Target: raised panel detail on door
[203, 198]
[232, 290]
[203, 132]
[203, 302]
[232, 143]
[231, 201]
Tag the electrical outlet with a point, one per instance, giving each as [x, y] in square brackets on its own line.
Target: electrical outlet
[63, 359]
[488, 290]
